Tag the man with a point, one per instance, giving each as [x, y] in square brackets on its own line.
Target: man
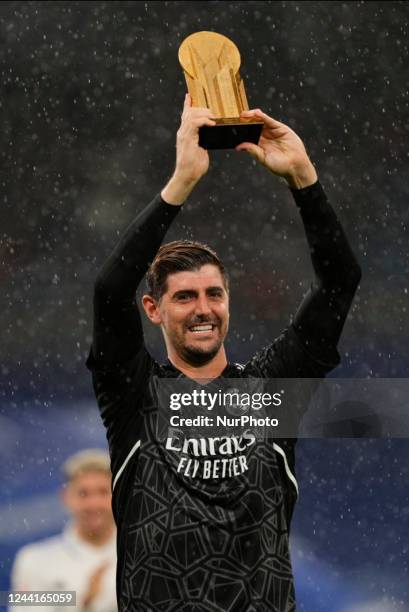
[196, 543]
[83, 557]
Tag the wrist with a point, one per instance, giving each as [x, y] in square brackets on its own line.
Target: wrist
[178, 189]
[302, 176]
[184, 180]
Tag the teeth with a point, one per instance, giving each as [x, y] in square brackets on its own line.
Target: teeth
[202, 328]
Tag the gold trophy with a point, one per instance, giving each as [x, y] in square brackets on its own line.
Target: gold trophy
[211, 65]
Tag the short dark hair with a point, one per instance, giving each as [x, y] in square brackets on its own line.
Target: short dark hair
[180, 256]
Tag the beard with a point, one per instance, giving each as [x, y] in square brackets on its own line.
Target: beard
[198, 356]
[197, 353]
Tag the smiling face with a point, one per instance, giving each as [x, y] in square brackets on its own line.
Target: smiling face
[193, 313]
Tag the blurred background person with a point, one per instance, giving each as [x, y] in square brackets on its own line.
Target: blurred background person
[83, 557]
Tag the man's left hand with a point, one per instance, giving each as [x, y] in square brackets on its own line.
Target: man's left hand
[281, 151]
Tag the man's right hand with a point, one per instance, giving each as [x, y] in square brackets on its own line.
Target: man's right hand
[192, 161]
[94, 585]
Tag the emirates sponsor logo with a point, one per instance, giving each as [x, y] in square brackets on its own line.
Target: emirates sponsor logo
[223, 452]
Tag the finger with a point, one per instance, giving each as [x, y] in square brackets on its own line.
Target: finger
[252, 149]
[197, 114]
[191, 129]
[258, 113]
[202, 116]
[187, 103]
[201, 110]
[196, 122]
[202, 121]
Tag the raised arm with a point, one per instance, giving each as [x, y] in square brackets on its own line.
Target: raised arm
[117, 324]
[322, 313]
[320, 318]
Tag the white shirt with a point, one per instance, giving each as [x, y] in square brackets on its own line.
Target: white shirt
[66, 562]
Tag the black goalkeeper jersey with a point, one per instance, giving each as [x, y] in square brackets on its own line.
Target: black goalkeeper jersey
[214, 536]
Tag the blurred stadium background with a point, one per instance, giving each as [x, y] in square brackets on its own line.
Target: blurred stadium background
[91, 94]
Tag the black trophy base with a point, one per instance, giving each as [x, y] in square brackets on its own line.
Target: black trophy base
[228, 135]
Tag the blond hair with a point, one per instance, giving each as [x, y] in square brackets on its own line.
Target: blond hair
[88, 460]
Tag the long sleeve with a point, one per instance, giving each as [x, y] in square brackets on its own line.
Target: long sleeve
[322, 313]
[117, 324]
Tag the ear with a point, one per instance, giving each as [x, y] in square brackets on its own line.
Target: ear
[151, 308]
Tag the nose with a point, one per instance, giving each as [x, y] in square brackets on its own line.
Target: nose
[202, 305]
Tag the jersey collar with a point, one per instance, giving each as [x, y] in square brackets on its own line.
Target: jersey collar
[231, 370]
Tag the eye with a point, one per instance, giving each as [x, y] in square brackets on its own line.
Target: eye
[215, 293]
[183, 297]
